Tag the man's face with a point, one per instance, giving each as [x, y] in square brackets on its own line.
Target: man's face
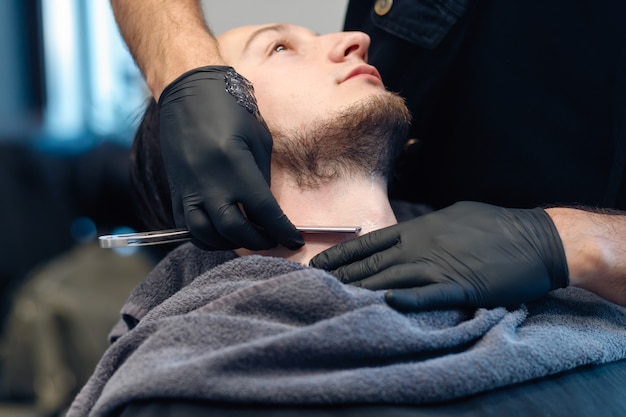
[300, 77]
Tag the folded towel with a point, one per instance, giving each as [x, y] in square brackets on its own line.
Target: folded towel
[260, 329]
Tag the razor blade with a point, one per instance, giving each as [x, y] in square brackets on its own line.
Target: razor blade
[159, 237]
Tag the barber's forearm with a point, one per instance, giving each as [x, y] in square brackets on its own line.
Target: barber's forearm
[166, 38]
[595, 248]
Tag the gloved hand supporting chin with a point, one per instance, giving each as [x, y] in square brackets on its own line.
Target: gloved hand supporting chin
[217, 152]
[466, 255]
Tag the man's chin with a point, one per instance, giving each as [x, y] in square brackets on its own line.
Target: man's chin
[361, 138]
[367, 91]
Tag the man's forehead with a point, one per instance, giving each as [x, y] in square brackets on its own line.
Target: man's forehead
[233, 42]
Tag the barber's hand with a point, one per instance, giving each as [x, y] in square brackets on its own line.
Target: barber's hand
[217, 153]
[466, 255]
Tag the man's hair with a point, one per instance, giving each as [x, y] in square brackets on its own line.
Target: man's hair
[147, 174]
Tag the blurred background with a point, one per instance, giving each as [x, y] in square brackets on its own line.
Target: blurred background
[70, 101]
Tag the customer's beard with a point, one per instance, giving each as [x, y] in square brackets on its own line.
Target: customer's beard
[361, 140]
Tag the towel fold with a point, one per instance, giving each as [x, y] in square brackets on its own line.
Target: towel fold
[261, 329]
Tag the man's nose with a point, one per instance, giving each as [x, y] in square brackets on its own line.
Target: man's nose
[350, 44]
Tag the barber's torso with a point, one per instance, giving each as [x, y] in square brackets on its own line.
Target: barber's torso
[516, 103]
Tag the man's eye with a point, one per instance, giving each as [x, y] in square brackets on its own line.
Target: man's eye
[280, 47]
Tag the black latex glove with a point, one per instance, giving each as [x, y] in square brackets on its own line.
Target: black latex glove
[217, 155]
[466, 255]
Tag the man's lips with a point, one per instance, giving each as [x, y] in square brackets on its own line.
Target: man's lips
[366, 70]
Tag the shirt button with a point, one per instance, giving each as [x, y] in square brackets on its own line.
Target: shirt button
[382, 7]
[411, 143]
[412, 147]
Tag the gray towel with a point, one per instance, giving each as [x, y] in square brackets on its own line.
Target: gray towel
[260, 329]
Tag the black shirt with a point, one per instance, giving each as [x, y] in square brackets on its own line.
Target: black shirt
[515, 103]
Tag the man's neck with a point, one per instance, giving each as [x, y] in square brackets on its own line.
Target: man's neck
[347, 202]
